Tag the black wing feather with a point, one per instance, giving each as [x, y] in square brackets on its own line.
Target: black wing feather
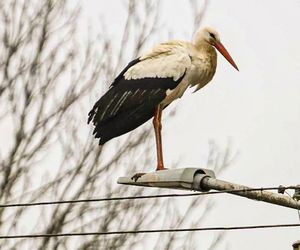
[128, 104]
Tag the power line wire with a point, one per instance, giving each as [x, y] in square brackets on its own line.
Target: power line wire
[150, 231]
[44, 203]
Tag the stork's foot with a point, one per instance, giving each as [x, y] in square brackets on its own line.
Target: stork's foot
[160, 166]
[158, 169]
[137, 176]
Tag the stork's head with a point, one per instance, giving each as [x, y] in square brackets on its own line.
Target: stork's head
[211, 36]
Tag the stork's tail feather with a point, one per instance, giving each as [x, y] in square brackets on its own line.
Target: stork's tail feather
[123, 122]
[92, 113]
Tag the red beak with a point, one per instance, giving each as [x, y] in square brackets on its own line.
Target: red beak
[219, 46]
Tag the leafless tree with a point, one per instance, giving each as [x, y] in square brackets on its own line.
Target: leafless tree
[50, 74]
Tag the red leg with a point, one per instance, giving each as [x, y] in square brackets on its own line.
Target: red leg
[157, 129]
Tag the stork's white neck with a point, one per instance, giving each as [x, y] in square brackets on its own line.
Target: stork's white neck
[205, 48]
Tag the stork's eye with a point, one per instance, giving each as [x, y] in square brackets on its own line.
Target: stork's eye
[212, 35]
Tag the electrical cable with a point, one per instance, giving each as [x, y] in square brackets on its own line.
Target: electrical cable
[150, 231]
[43, 203]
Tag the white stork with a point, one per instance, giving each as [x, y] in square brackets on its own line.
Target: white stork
[151, 82]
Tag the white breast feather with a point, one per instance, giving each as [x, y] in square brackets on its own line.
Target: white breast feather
[166, 60]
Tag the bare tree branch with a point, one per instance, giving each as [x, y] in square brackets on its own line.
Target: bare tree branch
[49, 75]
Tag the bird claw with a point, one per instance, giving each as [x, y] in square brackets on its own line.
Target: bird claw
[137, 176]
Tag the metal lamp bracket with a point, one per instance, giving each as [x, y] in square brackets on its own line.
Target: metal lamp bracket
[181, 178]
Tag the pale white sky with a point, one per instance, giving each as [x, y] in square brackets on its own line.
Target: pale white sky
[258, 108]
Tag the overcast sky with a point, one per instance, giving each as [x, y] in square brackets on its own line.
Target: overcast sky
[258, 109]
